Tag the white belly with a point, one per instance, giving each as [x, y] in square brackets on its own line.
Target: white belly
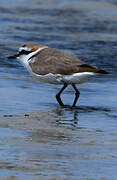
[76, 78]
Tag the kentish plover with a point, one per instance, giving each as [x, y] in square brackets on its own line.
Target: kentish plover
[56, 67]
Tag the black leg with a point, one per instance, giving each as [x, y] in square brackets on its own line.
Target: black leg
[77, 95]
[59, 93]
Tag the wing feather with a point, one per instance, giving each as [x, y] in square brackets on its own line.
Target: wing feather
[59, 62]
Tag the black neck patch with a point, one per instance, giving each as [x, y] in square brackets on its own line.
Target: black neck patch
[24, 52]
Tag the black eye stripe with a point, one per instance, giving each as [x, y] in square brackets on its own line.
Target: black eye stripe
[24, 52]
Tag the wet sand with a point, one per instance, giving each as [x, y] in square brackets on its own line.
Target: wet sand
[39, 145]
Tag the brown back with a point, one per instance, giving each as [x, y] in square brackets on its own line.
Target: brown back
[59, 62]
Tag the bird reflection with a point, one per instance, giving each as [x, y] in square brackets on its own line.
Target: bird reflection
[67, 116]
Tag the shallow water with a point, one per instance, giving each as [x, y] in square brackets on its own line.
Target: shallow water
[76, 143]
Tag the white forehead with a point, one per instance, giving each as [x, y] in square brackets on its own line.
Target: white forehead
[24, 48]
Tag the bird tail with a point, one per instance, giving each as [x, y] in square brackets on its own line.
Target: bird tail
[101, 71]
[92, 69]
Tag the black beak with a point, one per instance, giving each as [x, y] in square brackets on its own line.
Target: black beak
[13, 57]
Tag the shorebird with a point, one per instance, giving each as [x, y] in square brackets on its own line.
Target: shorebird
[54, 66]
